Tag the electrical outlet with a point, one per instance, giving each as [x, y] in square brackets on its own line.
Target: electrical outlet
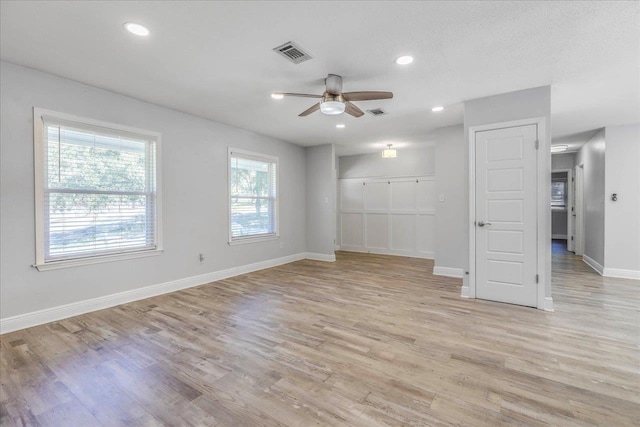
[441, 197]
[201, 258]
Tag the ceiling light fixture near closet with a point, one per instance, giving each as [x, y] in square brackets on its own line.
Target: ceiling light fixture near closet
[340, 126]
[437, 108]
[559, 148]
[137, 29]
[389, 153]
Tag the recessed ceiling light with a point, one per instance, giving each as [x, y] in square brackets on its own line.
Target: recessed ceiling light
[437, 108]
[137, 29]
[559, 148]
[404, 60]
[340, 126]
[277, 95]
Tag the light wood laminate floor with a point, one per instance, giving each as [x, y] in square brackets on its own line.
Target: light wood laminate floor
[368, 340]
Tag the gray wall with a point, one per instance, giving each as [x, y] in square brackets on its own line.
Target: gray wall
[562, 161]
[194, 161]
[321, 199]
[622, 218]
[592, 156]
[523, 104]
[410, 162]
[452, 213]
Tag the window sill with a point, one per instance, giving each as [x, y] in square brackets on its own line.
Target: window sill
[55, 265]
[244, 240]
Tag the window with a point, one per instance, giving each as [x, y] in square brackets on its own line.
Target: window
[559, 194]
[253, 199]
[96, 191]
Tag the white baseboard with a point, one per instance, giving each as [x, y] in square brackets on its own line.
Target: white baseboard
[593, 264]
[448, 271]
[621, 273]
[466, 292]
[320, 257]
[53, 314]
[423, 255]
[559, 236]
[547, 304]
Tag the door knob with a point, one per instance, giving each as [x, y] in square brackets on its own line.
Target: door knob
[482, 223]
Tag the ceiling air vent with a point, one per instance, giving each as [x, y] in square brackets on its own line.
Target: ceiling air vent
[376, 112]
[293, 52]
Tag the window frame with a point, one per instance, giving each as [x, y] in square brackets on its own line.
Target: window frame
[256, 237]
[565, 195]
[39, 141]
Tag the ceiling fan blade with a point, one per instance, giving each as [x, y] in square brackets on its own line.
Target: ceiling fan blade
[310, 110]
[367, 95]
[353, 110]
[302, 95]
[333, 84]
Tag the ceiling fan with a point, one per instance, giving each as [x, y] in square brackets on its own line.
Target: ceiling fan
[334, 101]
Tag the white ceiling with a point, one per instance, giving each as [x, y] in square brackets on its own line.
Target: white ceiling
[215, 59]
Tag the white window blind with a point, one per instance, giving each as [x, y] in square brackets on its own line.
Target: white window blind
[99, 191]
[253, 195]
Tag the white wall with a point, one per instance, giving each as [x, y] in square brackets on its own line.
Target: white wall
[194, 195]
[523, 104]
[452, 213]
[410, 162]
[592, 156]
[321, 200]
[622, 218]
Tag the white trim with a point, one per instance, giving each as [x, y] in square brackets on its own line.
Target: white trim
[56, 265]
[548, 304]
[542, 204]
[465, 292]
[320, 257]
[53, 314]
[263, 158]
[593, 264]
[408, 254]
[559, 236]
[87, 123]
[621, 273]
[253, 239]
[448, 271]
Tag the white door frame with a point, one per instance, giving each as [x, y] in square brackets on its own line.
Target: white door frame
[542, 204]
[569, 205]
[578, 246]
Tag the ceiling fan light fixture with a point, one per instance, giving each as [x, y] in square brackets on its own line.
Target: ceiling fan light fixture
[332, 108]
[404, 60]
[277, 95]
[559, 148]
[340, 126]
[389, 153]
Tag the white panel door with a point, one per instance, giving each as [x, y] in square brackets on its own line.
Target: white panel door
[506, 218]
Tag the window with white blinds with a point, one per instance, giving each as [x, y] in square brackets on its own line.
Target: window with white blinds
[97, 190]
[253, 196]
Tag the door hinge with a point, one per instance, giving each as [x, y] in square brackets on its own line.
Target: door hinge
[537, 278]
[537, 144]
